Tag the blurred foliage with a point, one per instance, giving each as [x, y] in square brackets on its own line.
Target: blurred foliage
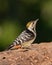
[8, 31]
[3, 5]
[46, 12]
[14, 14]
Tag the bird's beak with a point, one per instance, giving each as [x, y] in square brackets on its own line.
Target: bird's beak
[36, 21]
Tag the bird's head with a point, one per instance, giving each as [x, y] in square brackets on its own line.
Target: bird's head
[32, 25]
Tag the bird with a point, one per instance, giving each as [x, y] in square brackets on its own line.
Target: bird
[26, 38]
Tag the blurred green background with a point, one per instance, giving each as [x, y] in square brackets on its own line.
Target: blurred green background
[14, 14]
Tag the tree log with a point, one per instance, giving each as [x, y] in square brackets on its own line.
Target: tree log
[37, 54]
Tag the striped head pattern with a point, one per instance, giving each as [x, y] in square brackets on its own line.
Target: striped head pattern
[32, 25]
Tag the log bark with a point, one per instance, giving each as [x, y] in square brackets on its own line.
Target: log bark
[37, 54]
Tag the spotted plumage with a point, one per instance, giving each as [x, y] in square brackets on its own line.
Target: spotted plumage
[26, 37]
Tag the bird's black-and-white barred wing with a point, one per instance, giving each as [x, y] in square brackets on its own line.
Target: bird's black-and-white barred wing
[25, 36]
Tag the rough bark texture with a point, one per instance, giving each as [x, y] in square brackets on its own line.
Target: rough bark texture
[38, 54]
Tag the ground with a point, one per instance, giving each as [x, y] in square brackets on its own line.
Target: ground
[38, 54]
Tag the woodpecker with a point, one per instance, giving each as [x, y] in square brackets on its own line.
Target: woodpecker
[26, 38]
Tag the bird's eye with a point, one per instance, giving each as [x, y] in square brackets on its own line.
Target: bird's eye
[33, 22]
